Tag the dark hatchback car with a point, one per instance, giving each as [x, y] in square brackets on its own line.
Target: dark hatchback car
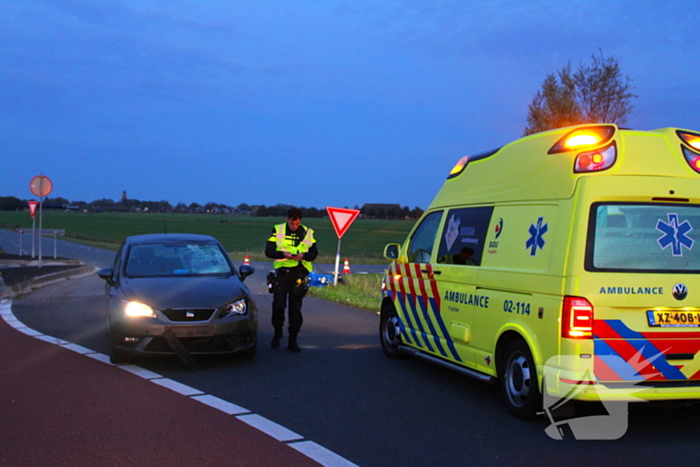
[175, 294]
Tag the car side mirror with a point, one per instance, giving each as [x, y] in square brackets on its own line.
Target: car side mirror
[245, 271]
[107, 274]
[391, 251]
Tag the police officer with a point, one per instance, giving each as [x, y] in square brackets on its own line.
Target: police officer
[292, 247]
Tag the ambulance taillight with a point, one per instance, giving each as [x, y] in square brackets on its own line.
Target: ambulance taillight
[595, 161]
[692, 140]
[577, 318]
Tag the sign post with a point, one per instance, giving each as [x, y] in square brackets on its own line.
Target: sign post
[21, 232]
[41, 186]
[341, 219]
[32, 212]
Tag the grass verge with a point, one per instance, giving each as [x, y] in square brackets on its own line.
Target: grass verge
[358, 290]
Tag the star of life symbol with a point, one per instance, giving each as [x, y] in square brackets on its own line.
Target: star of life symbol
[675, 235]
[536, 233]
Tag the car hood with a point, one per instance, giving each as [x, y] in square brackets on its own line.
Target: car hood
[184, 292]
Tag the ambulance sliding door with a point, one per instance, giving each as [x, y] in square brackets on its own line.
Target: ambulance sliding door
[461, 246]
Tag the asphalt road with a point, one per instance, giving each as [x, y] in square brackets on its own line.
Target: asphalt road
[342, 393]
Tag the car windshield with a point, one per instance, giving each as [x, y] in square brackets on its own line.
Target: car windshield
[644, 238]
[176, 259]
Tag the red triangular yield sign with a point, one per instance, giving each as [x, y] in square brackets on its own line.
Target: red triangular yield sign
[341, 219]
[32, 208]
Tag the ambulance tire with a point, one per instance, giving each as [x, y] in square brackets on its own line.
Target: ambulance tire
[390, 333]
[518, 381]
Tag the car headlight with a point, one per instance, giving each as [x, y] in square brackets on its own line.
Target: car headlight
[137, 310]
[239, 307]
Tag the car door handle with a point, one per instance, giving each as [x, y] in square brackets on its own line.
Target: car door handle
[427, 272]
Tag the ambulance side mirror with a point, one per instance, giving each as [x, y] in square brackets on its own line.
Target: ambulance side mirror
[391, 251]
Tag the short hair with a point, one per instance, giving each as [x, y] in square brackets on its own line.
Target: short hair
[467, 250]
[294, 213]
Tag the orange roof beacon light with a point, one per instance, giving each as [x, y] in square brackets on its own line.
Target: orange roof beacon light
[459, 167]
[692, 140]
[584, 138]
[462, 163]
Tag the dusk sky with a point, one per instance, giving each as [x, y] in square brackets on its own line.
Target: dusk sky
[312, 103]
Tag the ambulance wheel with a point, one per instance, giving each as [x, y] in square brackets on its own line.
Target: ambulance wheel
[518, 381]
[390, 332]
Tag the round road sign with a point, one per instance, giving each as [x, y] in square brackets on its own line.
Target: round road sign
[41, 186]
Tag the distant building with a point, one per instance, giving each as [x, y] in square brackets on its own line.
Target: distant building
[124, 198]
[381, 211]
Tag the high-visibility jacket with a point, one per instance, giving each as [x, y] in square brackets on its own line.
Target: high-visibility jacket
[286, 243]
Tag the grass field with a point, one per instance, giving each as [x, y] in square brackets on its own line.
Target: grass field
[358, 290]
[363, 243]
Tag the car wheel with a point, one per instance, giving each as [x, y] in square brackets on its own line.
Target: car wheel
[518, 381]
[390, 332]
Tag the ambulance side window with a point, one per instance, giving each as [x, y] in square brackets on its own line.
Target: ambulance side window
[463, 235]
[421, 246]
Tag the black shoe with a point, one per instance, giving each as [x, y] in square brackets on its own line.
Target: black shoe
[276, 339]
[292, 346]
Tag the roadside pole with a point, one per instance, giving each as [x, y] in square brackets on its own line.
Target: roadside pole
[41, 186]
[341, 218]
[41, 227]
[32, 212]
[337, 264]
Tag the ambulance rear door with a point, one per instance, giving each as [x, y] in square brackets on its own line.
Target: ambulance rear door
[644, 285]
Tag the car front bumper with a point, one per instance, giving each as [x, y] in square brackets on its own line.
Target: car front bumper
[153, 336]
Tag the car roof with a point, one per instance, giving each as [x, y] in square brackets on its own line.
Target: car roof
[168, 238]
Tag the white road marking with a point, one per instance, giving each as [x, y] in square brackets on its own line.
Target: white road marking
[99, 356]
[269, 427]
[141, 372]
[320, 454]
[177, 387]
[52, 340]
[79, 349]
[29, 331]
[310, 449]
[220, 404]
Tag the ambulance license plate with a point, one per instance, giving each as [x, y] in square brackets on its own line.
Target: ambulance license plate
[661, 318]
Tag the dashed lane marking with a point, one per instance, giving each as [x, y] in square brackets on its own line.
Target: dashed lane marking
[220, 404]
[309, 448]
[269, 427]
[177, 387]
[320, 454]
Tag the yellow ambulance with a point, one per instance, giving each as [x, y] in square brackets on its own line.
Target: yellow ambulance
[572, 250]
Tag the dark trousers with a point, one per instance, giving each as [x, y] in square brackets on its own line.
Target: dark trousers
[284, 294]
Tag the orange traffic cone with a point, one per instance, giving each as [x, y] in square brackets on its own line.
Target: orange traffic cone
[346, 267]
[246, 261]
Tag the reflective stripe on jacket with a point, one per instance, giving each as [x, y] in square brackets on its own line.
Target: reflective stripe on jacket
[285, 243]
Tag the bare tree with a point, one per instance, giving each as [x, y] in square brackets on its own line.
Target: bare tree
[595, 93]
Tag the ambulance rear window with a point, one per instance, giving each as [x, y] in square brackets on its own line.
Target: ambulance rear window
[643, 237]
